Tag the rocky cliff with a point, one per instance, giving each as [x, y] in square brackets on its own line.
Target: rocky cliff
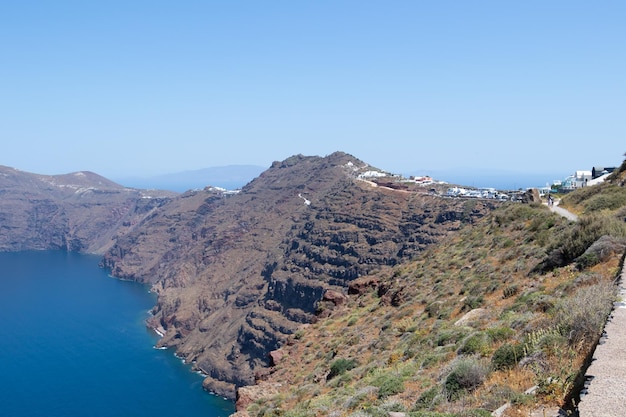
[237, 273]
[80, 212]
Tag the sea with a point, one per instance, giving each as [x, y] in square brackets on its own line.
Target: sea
[74, 343]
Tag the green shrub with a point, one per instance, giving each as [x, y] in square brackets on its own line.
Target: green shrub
[466, 375]
[600, 197]
[587, 260]
[477, 343]
[478, 412]
[389, 385]
[433, 359]
[600, 250]
[428, 399]
[586, 231]
[340, 366]
[473, 301]
[507, 356]
[534, 300]
[498, 334]
[450, 336]
[438, 310]
[430, 414]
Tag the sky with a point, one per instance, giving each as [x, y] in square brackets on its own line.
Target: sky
[139, 88]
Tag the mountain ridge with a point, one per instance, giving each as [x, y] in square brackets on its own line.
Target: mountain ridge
[248, 269]
[500, 319]
[80, 211]
[242, 277]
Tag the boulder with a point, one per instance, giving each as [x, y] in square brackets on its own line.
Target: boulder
[531, 196]
[276, 356]
[470, 316]
[362, 285]
[335, 297]
[249, 394]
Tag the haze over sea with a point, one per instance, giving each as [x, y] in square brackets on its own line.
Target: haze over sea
[74, 343]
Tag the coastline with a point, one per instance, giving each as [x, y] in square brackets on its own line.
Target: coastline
[159, 330]
[208, 384]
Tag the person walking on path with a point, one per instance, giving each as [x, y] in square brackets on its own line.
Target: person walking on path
[554, 207]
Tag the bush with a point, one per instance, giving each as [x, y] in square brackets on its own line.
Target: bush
[611, 198]
[389, 385]
[450, 336]
[581, 318]
[428, 399]
[438, 310]
[587, 260]
[475, 344]
[498, 334]
[574, 243]
[466, 375]
[510, 291]
[600, 250]
[340, 366]
[473, 301]
[507, 356]
[549, 341]
[478, 412]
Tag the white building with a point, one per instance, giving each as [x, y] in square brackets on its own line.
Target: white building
[581, 178]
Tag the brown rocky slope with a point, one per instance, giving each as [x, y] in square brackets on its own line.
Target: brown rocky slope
[237, 274]
[81, 212]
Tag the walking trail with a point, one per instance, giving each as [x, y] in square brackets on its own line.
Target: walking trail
[605, 392]
[563, 212]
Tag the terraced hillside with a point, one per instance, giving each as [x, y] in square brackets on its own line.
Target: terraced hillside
[514, 301]
[81, 212]
[238, 274]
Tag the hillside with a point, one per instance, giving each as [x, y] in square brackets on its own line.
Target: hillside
[512, 302]
[337, 289]
[80, 212]
[237, 274]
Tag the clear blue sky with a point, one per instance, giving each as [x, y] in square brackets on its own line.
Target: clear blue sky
[147, 87]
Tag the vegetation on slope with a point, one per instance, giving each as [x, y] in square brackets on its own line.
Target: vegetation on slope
[237, 275]
[516, 301]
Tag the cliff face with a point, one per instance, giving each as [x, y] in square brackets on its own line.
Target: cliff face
[80, 212]
[236, 274]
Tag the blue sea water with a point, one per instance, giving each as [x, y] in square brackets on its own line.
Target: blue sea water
[73, 342]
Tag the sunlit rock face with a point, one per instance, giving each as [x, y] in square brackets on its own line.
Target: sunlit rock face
[81, 212]
[237, 273]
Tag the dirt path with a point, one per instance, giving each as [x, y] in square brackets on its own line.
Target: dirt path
[563, 212]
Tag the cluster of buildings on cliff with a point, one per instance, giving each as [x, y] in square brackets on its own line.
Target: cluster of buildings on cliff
[579, 179]
[582, 179]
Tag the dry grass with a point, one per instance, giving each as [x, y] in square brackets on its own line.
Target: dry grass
[410, 350]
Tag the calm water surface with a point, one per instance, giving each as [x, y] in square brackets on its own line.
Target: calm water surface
[73, 342]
